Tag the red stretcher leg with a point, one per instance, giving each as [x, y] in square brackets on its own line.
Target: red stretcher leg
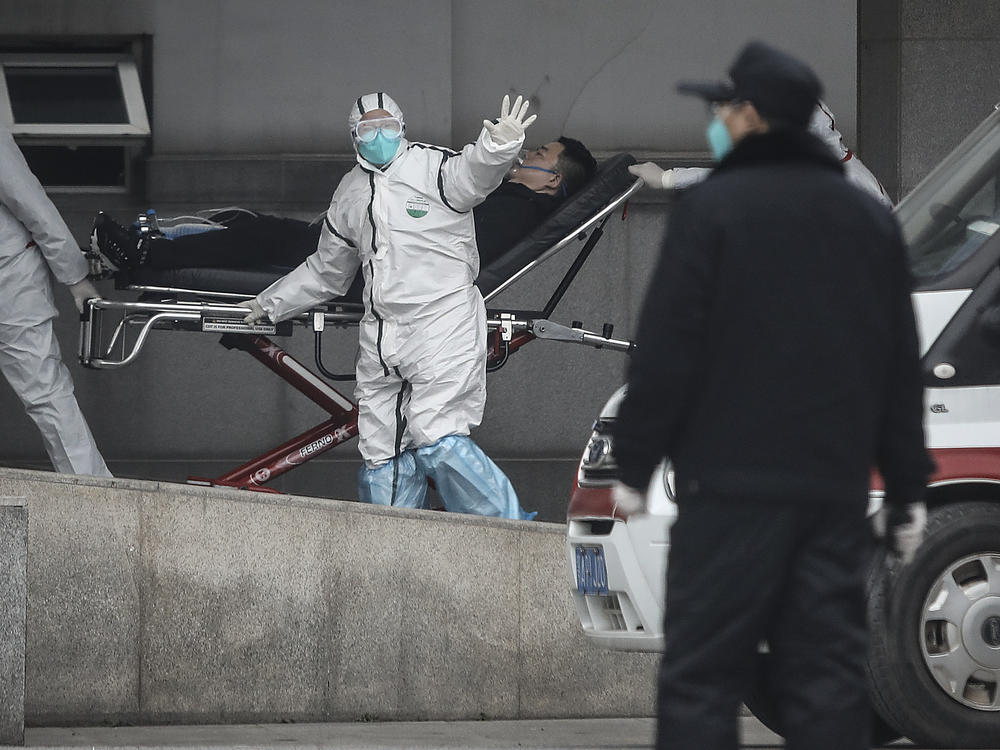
[339, 428]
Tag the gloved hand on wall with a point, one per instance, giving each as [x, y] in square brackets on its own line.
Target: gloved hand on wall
[902, 528]
[510, 126]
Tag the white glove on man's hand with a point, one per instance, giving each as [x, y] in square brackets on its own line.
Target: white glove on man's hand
[628, 500]
[82, 291]
[256, 311]
[511, 124]
[902, 527]
[653, 176]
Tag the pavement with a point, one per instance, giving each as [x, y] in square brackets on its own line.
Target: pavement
[549, 734]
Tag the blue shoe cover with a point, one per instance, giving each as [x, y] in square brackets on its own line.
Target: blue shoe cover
[396, 482]
[468, 481]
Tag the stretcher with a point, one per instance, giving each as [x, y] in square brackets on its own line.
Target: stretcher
[113, 332]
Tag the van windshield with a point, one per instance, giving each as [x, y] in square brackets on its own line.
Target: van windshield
[951, 214]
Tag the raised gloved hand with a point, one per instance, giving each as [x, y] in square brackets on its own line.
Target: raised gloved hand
[511, 124]
[256, 311]
[902, 528]
[653, 176]
[82, 291]
[628, 500]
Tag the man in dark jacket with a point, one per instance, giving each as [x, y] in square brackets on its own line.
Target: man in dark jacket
[776, 365]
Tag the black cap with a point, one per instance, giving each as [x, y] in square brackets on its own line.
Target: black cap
[778, 85]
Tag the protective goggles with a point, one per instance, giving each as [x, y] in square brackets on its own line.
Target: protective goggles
[366, 130]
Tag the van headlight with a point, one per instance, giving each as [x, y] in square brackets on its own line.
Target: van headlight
[598, 466]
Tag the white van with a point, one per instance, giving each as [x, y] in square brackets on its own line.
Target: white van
[934, 665]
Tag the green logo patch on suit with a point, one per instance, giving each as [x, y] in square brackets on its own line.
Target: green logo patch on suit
[417, 207]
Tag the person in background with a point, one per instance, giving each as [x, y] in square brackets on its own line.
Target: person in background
[822, 125]
[776, 364]
[35, 245]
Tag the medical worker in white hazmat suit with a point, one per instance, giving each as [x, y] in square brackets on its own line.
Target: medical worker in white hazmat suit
[404, 214]
[35, 244]
[822, 124]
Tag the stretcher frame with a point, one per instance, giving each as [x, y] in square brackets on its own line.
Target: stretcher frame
[107, 325]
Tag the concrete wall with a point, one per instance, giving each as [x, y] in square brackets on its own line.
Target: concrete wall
[258, 76]
[13, 605]
[928, 75]
[163, 604]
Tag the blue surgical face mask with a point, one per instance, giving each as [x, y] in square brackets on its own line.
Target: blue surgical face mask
[380, 149]
[718, 138]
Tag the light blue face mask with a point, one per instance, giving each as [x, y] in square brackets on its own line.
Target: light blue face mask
[718, 138]
[380, 149]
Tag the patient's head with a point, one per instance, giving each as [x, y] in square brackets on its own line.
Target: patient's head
[558, 168]
[575, 164]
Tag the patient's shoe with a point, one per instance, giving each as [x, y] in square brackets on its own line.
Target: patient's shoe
[116, 245]
[97, 269]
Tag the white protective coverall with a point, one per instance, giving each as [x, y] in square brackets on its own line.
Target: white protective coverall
[421, 369]
[824, 126]
[34, 241]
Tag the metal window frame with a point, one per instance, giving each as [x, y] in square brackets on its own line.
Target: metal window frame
[128, 73]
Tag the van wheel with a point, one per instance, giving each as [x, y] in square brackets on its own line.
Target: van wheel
[762, 704]
[934, 663]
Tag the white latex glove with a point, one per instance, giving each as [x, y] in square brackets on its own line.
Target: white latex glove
[511, 124]
[82, 291]
[902, 527]
[653, 176]
[256, 311]
[628, 500]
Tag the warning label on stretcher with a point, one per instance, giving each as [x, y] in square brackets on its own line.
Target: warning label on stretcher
[234, 325]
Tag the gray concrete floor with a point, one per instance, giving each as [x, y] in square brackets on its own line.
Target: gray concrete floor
[556, 734]
[427, 735]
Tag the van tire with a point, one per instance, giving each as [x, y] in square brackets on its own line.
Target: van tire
[904, 691]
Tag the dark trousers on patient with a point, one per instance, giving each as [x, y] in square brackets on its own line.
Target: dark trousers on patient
[249, 241]
[742, 572]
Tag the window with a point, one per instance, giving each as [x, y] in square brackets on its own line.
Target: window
[72, 95]
[79, 117]
[955, 210]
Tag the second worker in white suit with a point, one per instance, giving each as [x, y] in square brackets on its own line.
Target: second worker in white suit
[822, 124]
[404, 214]
[35, 247]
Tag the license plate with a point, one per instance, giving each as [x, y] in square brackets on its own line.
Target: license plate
[591, 571]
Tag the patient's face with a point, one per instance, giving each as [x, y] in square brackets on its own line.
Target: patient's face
[541, 158]
[544, 156]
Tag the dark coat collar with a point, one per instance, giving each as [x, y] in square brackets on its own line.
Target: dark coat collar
[779, 147]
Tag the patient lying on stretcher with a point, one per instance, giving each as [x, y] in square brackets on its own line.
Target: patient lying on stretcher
[238, 238]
